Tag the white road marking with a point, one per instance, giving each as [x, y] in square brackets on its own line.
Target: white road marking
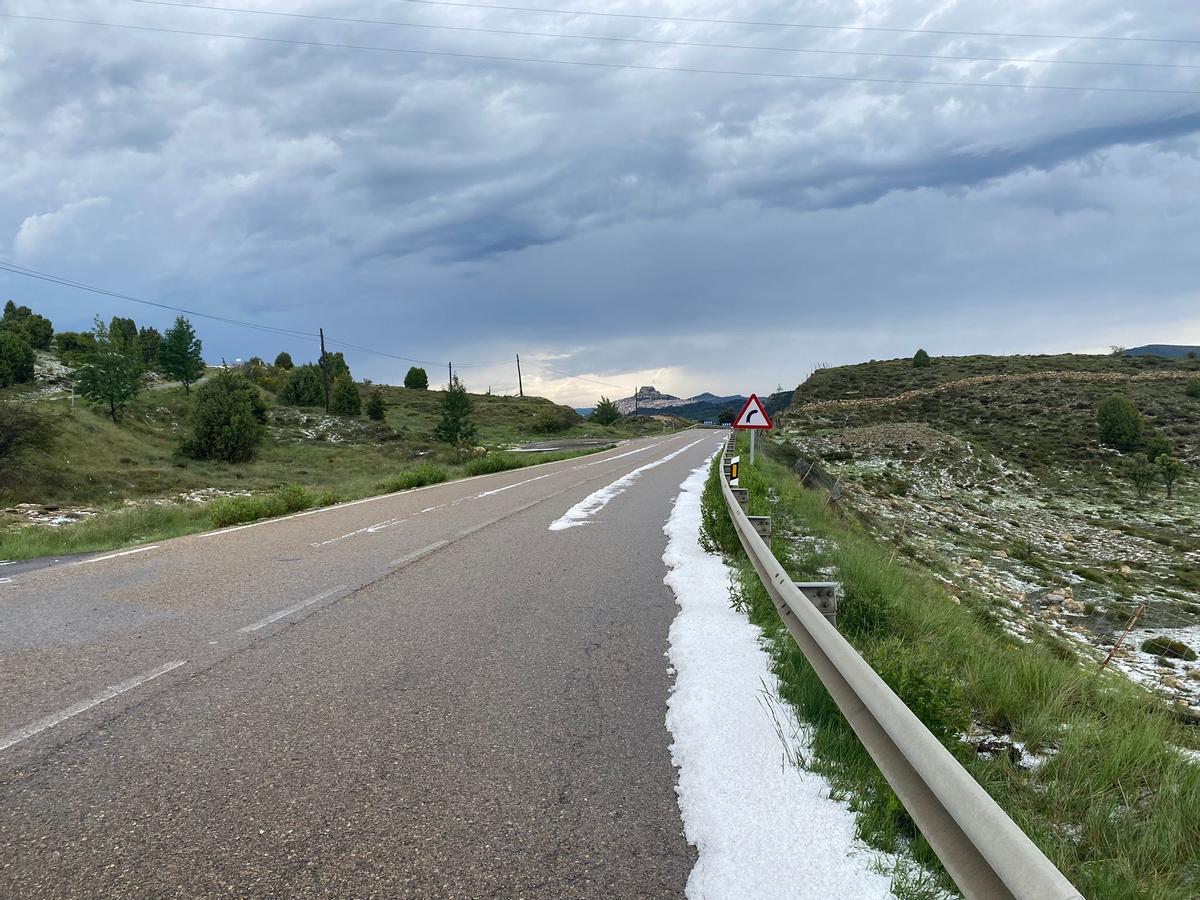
[417, 554]
[5, 580]
[84, 562]
[597, 500]
[8, 562]
[275, 617]
[509, 487]
[108, 693]
[369, 529]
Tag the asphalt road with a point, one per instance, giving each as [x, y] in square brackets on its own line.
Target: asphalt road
[429, 694]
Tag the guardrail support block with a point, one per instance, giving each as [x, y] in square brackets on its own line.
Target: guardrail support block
[762, 524]
[823, 595]
[742, 495]
[726, 470]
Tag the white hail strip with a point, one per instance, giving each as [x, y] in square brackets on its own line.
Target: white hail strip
[57, 718]
[84, 562]
[416, 554]
[275, 617]
[597, 500]
[369, 529]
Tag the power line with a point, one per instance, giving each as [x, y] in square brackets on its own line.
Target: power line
[512, 32]
[822, 27]
[605, 65]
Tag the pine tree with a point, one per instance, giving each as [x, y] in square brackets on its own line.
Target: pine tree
[344, 399]
[375, 406]
[921, 360]
[416, 379]
[283, 360]
[180, 356]
[456, 427]
[228, 421]
[606, 412]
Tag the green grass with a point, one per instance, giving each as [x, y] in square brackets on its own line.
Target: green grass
[1115, 804]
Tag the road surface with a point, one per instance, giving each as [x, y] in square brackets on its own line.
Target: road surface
[429, 694]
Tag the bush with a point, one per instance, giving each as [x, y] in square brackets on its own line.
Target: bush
[1120, 423]
[375, 406]
[493, 462]
[16, 359]
[553, 419]
[229, 420]
[344, 399]
[1142, 473]
[1193, 388]
[22, 430]
[606, 412]
[1166, 647]
[456, 427]
[417, 378]
[284, 360]
[1157, 445]
[73, 346]
[305, 387]
[23, 321]
[921, 360]
[235, 510]
[418, 476]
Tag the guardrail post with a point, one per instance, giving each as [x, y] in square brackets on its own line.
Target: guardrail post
[762, 525]
[823, 595]
[742, 495]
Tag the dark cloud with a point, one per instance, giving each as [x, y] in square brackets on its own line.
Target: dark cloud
[712, 232]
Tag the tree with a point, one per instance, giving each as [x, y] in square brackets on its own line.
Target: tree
[1170, 470]
[606, 412]
[180, 356]
[124, 334]
[921, 360]
[1193, 388]
[1156, 446]
[23, 321]
[22, 430]
[335, 365]
[110, 376]
[456, 426]
[728, 414]
[16, 358]
[283, 360]
[375, 406]
[1143, 474]
[417, 379]
[150, 342]
[229, 419]
[73, 346]
[305, 387]
[1120, 423]
[344, 398]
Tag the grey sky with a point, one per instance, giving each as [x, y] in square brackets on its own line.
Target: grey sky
[694, 231]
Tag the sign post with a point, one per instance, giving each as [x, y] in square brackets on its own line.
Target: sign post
[753, 418]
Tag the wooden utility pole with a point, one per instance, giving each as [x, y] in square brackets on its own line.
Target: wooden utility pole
[520, 384]
[324, 369]
[450, 383]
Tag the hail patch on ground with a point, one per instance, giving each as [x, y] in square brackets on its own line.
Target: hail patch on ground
[762, 826]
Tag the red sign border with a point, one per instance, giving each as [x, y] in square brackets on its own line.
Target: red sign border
[753, 399]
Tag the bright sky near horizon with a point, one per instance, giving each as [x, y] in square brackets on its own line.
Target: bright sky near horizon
[690, 230]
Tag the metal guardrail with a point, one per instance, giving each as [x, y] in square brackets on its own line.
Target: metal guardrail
[984, 851]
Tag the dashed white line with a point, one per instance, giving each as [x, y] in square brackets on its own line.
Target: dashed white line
[275, 617]
[108, 693]
[84, 562]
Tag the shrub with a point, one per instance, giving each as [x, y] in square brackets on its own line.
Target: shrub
[553, 419]
[229, 420]
[456, 427]
[284, 360]
[1120, 423]
[728, 414]
[344, 399]
[1170, 470]
[305, 387]
[1142, 473]
[606, 412]
[22, 430]
[16, 358]
[1193, 388]
[1020, 548]
[1157, 445]
[921, 360]
[417, 378]
[418, 476]
[1169, 648]
[375, 406]
[73, 346]
[235, 510]
[493, 462]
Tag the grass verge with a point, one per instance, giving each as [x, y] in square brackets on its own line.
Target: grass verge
[152, 522]
[1109, 798]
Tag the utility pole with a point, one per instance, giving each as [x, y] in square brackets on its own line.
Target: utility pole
[635, 400]
[520, 384]
[324, 369]
[450, 383]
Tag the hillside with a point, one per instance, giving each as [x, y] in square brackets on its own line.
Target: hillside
[989, 472]
[1172, 351]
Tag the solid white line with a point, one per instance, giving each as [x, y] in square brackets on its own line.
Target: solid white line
[594, 502]
[275, 617]
[83, 562]
[53, 719]
[416, 554]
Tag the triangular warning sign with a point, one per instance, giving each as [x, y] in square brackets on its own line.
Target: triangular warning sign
[753, 415]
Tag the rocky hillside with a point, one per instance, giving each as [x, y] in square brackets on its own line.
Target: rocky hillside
[990, 472]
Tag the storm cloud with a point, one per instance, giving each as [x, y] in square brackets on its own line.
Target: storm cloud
[692, 230]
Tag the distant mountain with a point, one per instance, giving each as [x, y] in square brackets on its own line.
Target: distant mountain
[584, 411]
[1171, 351]
[702, 407]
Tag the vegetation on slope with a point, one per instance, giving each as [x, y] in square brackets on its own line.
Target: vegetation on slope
[1087, 763]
